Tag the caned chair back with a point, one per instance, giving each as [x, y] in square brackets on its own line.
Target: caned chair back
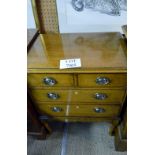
[45, 15]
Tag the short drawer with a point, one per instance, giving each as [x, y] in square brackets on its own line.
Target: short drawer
[98, 95]
[80, 110]
[51, 95]
[102, 80]
[50, 80]
[73, 95]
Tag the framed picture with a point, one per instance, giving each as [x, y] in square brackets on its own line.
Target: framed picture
[91, 15]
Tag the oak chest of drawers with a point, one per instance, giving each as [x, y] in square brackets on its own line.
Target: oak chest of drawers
[93, 92]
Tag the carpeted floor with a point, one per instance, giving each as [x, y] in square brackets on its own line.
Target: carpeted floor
[75, 139]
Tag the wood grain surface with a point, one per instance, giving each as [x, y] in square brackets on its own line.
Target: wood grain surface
[97, 51]
[62, 80]
[79, 95]
[80, 110]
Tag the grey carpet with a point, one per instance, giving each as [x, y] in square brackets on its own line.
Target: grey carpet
[75, 139]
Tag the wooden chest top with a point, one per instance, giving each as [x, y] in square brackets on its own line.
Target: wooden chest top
[104, 52]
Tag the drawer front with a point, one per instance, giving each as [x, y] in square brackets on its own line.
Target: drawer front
[99, 95]
[80, 110]
[50, 80]
[51, 95]
[102, 80]
[68, 96]
[52, 110]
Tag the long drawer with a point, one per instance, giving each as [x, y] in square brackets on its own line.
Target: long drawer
[50, 80]
[80, 95]
[80, 110]
[102, 80]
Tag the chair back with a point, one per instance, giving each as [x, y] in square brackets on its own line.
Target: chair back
[45, 15]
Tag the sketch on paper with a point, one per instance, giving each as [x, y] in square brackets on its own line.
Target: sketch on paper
[91, 15]
[109, 7]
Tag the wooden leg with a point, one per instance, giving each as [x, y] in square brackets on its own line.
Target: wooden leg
[47, 130]
[120, 143]
[47, 126]
[34, 126]
[42, 136]
[114, 125]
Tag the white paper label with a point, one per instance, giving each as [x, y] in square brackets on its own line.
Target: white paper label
[70, 63]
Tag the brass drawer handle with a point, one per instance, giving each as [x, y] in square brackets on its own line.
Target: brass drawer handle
[53, 96]
[49, 81]
[99, 110]
[102, 80]
[56, 109]
[100, 96]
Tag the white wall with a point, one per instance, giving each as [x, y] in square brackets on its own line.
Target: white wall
[30, 18]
